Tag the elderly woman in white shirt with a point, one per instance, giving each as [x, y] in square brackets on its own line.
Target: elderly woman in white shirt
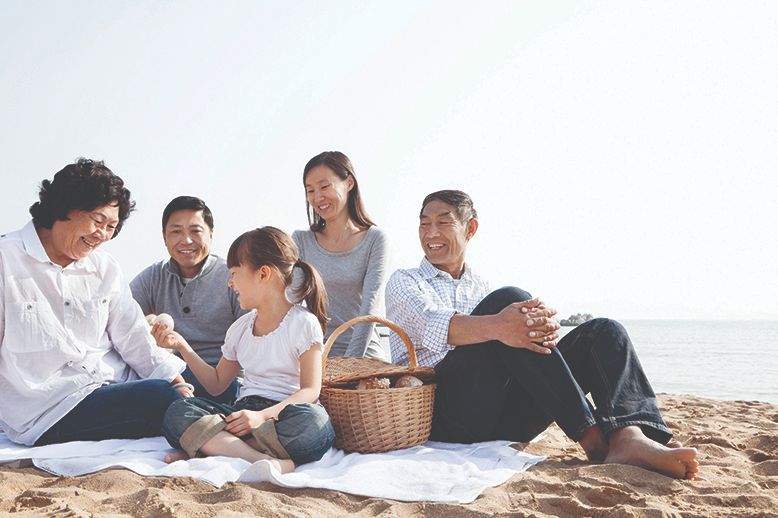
[77, 361]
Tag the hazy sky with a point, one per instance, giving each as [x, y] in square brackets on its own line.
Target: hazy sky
[622, 155]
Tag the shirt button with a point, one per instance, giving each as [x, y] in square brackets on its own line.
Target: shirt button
[29, 306]
[187, 310]
[67, 303]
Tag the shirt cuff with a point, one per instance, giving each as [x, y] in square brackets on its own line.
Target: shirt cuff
[168, 369]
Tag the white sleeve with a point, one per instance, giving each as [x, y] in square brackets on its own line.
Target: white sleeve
[310, 335]
[129, 334]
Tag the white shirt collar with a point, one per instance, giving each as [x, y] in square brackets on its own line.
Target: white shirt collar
[34, 248]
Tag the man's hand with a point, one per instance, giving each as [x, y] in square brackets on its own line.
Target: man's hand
[527, 325]
[241, 423]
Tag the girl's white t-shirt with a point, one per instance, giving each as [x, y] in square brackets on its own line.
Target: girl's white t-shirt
[271, 362]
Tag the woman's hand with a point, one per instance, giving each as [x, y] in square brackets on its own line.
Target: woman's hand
[241, 423]
[168, 339]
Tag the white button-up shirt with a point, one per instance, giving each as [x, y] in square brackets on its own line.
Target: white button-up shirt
[422, 301]
[64, 332]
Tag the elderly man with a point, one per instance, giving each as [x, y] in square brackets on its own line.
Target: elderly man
[191, 286]
[501, 373]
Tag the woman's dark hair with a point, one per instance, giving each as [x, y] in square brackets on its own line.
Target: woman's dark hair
[187, 203]
[84, 185]
[269, 246]
[341, 166]
[461, 202]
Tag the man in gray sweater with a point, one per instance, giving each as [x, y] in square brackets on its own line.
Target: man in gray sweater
[191, 286]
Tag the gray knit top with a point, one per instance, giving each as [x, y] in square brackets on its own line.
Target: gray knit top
[202, 309]
[353, 280]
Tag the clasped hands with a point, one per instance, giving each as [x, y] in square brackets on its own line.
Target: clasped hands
[528, 325]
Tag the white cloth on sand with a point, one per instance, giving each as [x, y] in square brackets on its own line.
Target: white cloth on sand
[435, 472]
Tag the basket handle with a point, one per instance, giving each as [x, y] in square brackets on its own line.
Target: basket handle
[364, 319]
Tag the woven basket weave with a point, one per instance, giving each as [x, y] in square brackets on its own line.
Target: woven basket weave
[375, 420]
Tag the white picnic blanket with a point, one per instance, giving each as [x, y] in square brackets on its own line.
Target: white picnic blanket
[436, 472]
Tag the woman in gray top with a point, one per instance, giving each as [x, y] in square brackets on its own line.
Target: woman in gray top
[347, 249]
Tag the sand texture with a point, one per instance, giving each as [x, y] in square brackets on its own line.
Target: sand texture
[738, 452]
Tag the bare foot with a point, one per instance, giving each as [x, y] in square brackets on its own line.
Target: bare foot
[674, 444]
[594, 444]
[284, 466]
[176, 455]
[629, 446]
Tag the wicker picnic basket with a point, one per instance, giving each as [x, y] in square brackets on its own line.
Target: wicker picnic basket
[376, 420]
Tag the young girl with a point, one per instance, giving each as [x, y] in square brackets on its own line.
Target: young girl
[279, 346]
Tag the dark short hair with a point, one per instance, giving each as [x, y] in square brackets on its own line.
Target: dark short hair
[83, 185]
[461, 202]
[342, 167]
[187, 203]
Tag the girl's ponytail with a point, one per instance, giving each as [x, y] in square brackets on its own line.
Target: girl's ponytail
[313, 292]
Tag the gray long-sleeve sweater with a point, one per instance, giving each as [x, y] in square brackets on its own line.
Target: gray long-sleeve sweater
[202, 310]
[353, 280]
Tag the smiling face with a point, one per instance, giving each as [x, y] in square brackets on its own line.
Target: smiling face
[188, 240]
[79, 235]
[327, 193]
[444, 237]
[245, 282]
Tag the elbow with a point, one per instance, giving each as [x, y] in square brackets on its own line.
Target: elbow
[312, 393]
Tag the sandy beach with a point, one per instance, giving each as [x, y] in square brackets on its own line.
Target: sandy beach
[737, 443]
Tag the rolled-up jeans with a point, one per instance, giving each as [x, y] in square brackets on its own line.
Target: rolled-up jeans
[129, 410]
[490, 391]
[302, 433]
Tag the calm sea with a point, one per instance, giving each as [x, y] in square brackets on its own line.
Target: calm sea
[717, 359]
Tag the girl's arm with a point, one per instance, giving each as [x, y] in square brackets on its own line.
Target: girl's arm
[241, 423]
[214, 380]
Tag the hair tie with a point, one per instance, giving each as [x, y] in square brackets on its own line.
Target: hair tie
[299, 262]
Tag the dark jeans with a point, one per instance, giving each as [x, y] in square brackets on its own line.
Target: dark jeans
[304, 430]
[228, 396]
[490, 391]
[128, 410]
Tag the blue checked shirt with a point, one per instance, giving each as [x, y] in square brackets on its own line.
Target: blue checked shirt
[422, 301]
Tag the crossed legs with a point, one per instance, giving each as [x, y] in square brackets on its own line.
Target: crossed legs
[491, 391]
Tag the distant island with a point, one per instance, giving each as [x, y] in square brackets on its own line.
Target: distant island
[577, 319]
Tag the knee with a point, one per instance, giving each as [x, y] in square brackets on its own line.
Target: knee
[305, 431]
[607, 325]
[307, 416]
[175, 422]
[611, 331]
[159, 394]
[497, 300]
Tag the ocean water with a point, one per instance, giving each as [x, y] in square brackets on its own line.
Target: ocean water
[716, 359]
